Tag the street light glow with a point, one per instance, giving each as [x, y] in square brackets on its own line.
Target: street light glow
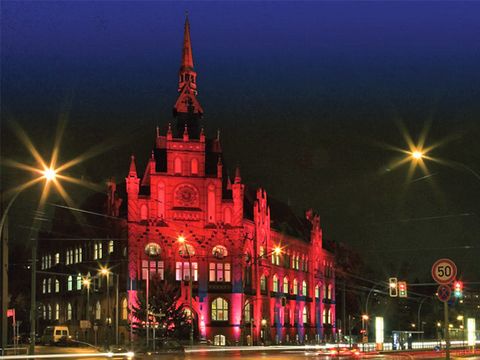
[86, 282]
[50, 174]
[181, 239]
[365, 317]
[277, 250]
[104, 271]
[417, 155]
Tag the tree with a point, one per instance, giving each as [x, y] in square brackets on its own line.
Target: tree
[164, 309]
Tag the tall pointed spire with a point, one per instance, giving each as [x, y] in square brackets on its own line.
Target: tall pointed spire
[187, 56]
[133, 168]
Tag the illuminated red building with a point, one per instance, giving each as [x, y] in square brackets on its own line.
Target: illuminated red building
[243, 290]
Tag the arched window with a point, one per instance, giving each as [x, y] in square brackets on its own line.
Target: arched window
[304, 288]
[57, 285]
[285, 285]
[44, 286]
[98, 311]
[70, 283]
[110, 247]
[305, 315]
[178, 166]
[49, 312]
[325, 294]
[219, 309]
[194, 166]
[219, 340]
[161, 200]
[69, 311]
[44, 312]
[275, 283]
[317, 292]
[49, 285]
[295, 287]
[329, 290]
[263, 283]
[57, 311]
[152, 249]
[324, 312]
[186, 250]
[227, 215]
[219, 251]
[329, 316]
[144, 212]
[124, 309]
[211, 204]
[79, 282]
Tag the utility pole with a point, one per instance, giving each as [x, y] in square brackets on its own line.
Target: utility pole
[116, 309]
[344, 305]
[4, 259]
[33, 299]
[447, 335]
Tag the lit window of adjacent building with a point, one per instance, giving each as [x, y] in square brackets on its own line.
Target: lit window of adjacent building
[285, 285]
[44, 312]
[295, 287]
[57, 285]
[70, 283]
[57, 258]
[219, 272]
[275, 283]
[79, 282]
[49, 312]
[275, 258]
[49, 285]
[98, 311]
[44, 286]
[182, 271]
[97, 251]
[304, 288]
[263, 283]
[69, 311]
[219, 309]
[124, 309]
[305, 315]
[57, 311]
[152, 267]
[110, 247]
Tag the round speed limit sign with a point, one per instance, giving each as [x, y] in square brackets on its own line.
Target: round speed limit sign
[444, 271]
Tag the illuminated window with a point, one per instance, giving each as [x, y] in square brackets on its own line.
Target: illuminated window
[248, 312]
[79, 282]
[329, 291]
[219, 309]
[275, 283]
[178, 166]
[329, 316]
[186, 250]
[154, 267]
[305, 315]
[262, 251]
[49, 312]
[44, 311]
[295, 287]
[275, 258]
[219, 251]
[219, 340]
[219, 272]
[317, 292]
[49, 285]
[110, 247]
[124, 309]
[182, 271]
[324, 313]
[285, 285]
[304, 288]
[76, 255]
[57, 285]
[70, 283]
[194, 166]
[153, 250]
[44, 286]
[98, 311]
[263, 283]
[97, 251]
[57, 311]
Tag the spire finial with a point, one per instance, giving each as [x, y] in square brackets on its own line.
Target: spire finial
[238, 178]
[133, 169]
[158, 131]
[218, 134]
[152, 156]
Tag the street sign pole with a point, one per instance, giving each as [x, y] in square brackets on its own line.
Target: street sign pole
[447, 335]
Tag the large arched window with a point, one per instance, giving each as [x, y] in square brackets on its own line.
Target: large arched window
[69, 311]
[219, 271]
[144, 212]
[161, 200]
[285, 285]
[219, 309]
[219, 251]
[178, 166]
[295, 287]
[304, 288]
[124, 309]
[305, 315]
[194, 166]
[98, 311]
[211, 204]
[70, 283]
[275, 283]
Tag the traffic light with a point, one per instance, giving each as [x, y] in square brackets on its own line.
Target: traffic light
[402, 289]
[393, 286]
[458, 289]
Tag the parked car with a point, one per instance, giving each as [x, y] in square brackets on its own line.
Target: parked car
[55, 334]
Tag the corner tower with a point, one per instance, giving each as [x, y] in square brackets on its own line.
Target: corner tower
[187, 109]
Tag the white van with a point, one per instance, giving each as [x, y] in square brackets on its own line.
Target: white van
[53, 334]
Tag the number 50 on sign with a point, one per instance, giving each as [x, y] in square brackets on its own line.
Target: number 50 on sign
[444, 271]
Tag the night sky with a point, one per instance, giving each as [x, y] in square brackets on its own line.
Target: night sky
[308, 96]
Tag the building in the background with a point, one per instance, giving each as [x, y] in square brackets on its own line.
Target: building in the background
[185, 210]
[258, 272]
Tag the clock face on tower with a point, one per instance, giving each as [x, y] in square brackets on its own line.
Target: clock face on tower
[186, 196]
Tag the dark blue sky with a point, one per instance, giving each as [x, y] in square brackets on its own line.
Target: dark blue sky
[312, 87]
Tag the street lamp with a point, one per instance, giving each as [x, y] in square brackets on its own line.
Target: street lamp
[106, 272]
[181, 239]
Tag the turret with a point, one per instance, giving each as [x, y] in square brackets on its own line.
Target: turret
[219, 167]
[238, 190]
[133, 187]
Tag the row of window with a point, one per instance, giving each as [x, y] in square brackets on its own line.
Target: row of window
[53, 313]
[76, 255]
[74, 282]
[218, 271]
[284, 287]
[287, 260]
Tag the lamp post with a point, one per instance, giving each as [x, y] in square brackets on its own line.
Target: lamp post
[181, 240]
[462, 319]
[86, 285]
[106, 272]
